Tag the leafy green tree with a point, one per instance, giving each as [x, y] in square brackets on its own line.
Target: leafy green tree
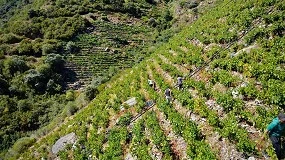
[53, 87]
[10, 38]
[14, 65]
[34, 78]
[47, 49]
[70, 108]
[71, 47]
[23, 105]
[3, 85]
[37, 47]
[91, 92]
[70, 95]
[55, 61]
[25, 47]
[132, 9]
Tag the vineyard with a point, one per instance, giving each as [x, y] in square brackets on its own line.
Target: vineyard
[232, 62]
[107, 46]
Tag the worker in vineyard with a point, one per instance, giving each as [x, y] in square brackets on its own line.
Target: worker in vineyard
[179, 82]
[275, 129]
[151, 83]
[167, 94]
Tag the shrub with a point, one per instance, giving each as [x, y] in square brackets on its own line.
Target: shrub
[70, 109]
[53, 87]
[19, 147]
[125, 120]
[71, 47]
[10, 38]
[55, 61]
[25, 47]
[1, 54]
[91, 92]
[189, 4]
[3, 86]
[14, 65]
[70, 95]
[47, 49]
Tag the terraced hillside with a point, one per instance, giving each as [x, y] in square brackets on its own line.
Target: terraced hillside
[232, 61]
[50, 50]
[109, 43]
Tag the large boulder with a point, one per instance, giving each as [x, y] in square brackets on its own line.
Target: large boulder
[63, 141]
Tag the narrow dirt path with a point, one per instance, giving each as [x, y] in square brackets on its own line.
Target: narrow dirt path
[178, 144]
[166, 76]
[223, 148]
[154, 151]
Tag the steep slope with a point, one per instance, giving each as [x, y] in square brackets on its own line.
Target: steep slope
[46, 46]
[232, 59]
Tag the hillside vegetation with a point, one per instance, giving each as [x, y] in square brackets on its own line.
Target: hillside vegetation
[54, 54]
[232, 59]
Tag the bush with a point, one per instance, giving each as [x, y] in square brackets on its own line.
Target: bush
[189, 4]
[91, 92]
[70, 95]
[53, 87]
[55, 61]
[25, 47]
[3, 86]
[19, 147]
[71, 47]
[132, 9]
[125, 120]
[10, 38]
[47, 49]
[70, 109]
[1, 54]
[14, 65]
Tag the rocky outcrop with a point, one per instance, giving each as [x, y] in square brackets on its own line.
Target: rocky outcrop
[63, 141]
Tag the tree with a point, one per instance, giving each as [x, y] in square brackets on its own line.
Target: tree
[34, 79]
[47, 49]
[55, 61]
[3, 86]
[53, 87]
[14, 65]
[71, 47]
[70, 95]
[132, 9]
[91, 92]
[25, 47]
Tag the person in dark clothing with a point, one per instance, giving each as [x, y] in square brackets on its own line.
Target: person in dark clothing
[179, 82]
[167, 94]
[275, 130]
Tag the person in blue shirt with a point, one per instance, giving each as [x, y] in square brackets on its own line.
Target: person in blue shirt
[275, 130]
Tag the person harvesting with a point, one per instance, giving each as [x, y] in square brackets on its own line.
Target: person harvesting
[275, 130]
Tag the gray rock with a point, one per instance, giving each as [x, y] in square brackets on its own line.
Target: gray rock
[63, 141]
[251, 158]
[131, 101]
